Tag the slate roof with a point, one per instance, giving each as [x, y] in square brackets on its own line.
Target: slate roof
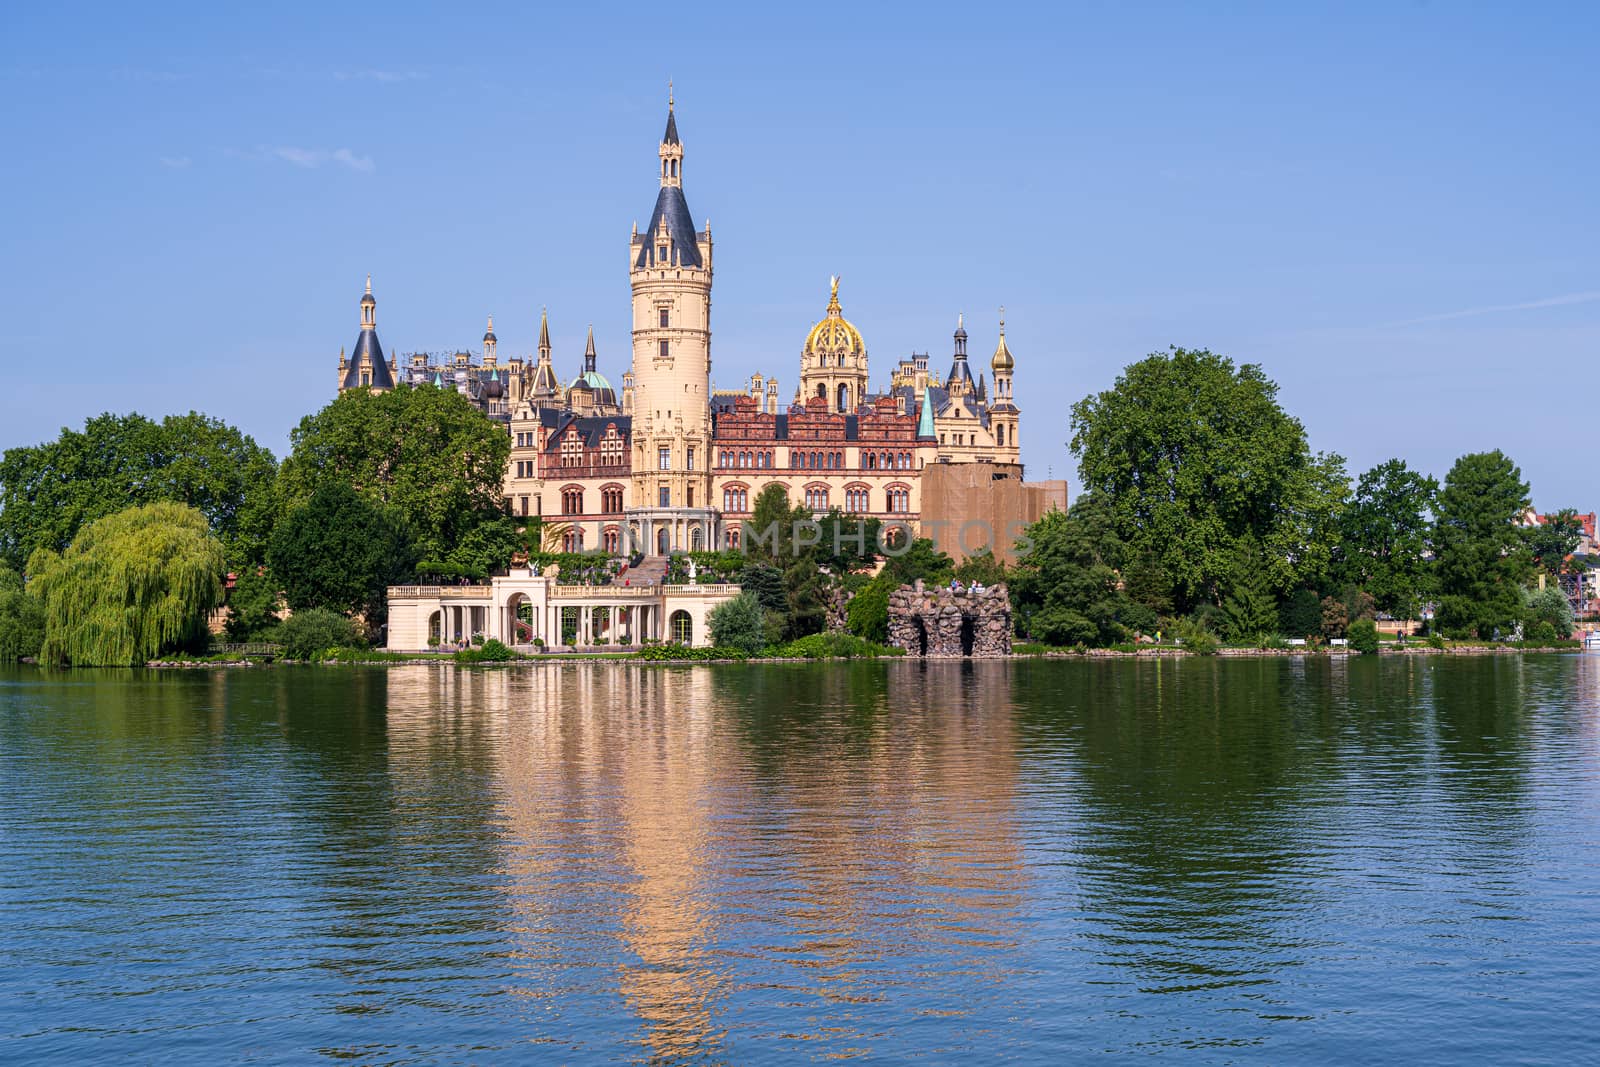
[671, 205]
[592, 427]
[367, 345]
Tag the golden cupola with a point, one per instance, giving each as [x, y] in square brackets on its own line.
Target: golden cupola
[835, 335]
[833, 363]
[1002, 363]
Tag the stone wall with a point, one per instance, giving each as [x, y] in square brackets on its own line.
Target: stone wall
[942, 623]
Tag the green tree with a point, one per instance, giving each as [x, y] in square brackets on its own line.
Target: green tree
[868, 613]
[1482, 559]
[1550, 606]
[1383, 537]
[1301, 614]
[919, 559]
[427, 455]
[739, 623]
[49, 491]
[130, 586]
[1364, 636]
[1194, 456]
[311, 633]
[769, 532]
[341, 552]
[1066, 590]
[981, 567]
[21, 618]
[253, 604]
[1250, 611]
[1553, 540]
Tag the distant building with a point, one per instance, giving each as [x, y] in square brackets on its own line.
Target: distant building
[666, 462]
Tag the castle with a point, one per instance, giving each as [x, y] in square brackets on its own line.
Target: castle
[667, 463]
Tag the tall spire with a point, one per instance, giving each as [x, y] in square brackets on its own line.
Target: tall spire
[671, 136]
[544, 333]
[588, 351]
[671, 151]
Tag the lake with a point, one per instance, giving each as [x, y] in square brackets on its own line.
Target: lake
[1220, 861]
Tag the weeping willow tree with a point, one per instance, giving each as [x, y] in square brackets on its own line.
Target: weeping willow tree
[130, 586]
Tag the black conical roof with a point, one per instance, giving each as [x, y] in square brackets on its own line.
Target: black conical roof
[671, 136]
[367, 345]
[671, 205]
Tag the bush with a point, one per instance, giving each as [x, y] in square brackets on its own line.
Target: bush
[310, 633]
[1364, 636]
[491, 651]
[740, 623]
[1550, 606]
[868, 613]
[1543, 631]
[660, 653]
[1436, 641]
[835, 646]
[1196, 638]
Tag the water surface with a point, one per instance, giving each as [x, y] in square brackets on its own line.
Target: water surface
[1308, 861]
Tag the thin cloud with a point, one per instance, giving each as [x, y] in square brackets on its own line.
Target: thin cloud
[311, 158]
[1492, 309]
[176, 162]
[388, 76]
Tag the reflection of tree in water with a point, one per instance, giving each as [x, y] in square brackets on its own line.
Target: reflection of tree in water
[883, 803]
[1193, 775]
[1231, 815]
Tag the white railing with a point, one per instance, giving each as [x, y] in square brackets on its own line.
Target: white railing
[604, 592]
[439, 592]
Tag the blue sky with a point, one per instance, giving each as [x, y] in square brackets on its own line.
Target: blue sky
[1391, 207]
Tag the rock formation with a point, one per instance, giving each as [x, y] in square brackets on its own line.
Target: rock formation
[945, 623]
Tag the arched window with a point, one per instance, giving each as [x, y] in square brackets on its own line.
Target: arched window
[1000, 434]
[696, 543]
[844, 397]
[682, 626]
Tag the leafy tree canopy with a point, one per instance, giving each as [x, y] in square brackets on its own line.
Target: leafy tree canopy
[1250, 612]
[48, 492]
[1383, 537]
[981, 567]
[739, 623]
[428, 455]
[341, 552]
[1553, 540]
[130, 586]
[1482, 559]
[1066, 590]
[311, 633]
[21, 618]
[1191, 456]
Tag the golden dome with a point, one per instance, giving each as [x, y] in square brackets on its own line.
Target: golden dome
[834, 335]
[1002, 355]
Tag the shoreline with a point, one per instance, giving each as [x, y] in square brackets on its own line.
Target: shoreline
[445, 659]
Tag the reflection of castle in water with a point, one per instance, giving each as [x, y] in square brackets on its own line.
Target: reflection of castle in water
[773, 835]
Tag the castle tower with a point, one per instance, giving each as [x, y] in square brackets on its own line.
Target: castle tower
[669, 268]
[544, 389]
[490, 342]
[833, 363]
[367, 369]
[1003, 414]
[960, 383]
